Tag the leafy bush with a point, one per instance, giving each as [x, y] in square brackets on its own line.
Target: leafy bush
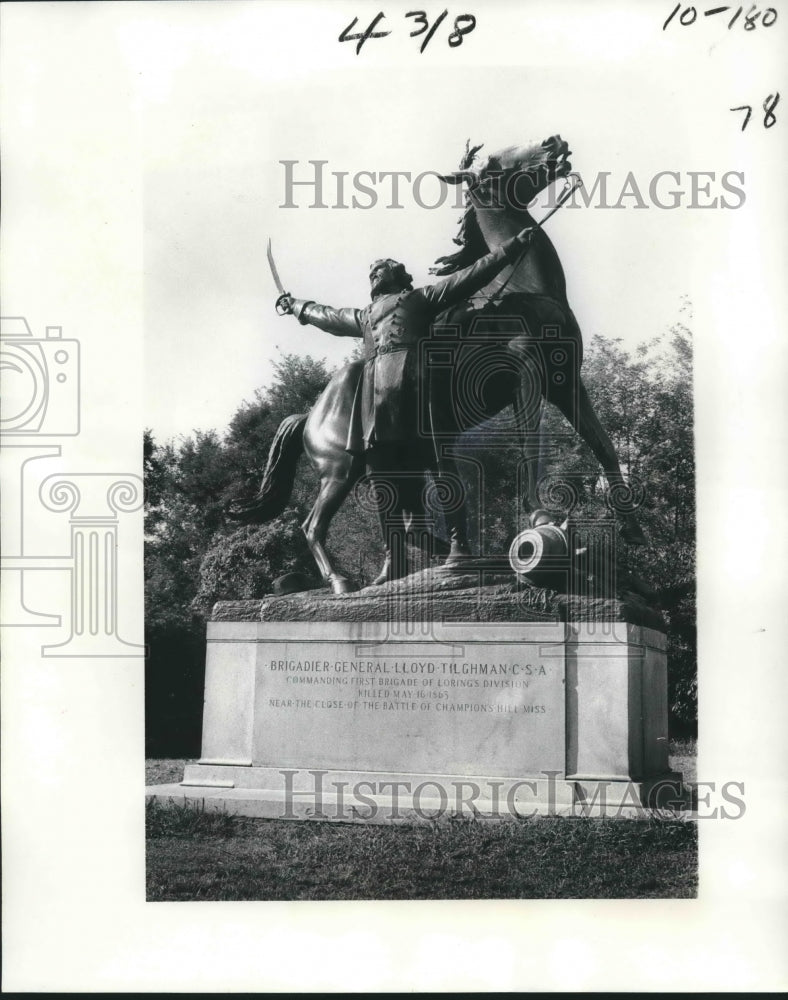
[245, 564]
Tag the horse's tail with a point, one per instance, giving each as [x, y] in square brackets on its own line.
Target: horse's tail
[277, 484]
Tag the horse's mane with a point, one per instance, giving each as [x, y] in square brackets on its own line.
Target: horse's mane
[544, 162]
[469, 236]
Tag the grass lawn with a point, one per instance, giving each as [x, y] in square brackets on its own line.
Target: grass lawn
[209, 856]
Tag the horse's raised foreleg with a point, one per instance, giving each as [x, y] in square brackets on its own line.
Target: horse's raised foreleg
[329, 499]
[580, 413]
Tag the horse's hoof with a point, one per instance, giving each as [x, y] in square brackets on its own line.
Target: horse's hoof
[384, 575]
[458, 557]
[341, 585]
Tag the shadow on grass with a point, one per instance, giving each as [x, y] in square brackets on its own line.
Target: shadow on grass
[193, 855]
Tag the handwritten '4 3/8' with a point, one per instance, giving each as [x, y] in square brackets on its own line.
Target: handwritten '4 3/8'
[463, 25]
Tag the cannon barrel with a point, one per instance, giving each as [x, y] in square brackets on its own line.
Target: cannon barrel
[544, 548]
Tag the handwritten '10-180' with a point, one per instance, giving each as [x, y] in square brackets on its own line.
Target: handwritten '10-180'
[690, 14]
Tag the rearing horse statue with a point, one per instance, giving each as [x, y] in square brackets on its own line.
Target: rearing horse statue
[513, 341]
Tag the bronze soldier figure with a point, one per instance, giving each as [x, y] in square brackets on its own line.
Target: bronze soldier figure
[384, 424]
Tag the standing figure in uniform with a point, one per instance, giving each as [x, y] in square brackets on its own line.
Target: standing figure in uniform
[384, 425]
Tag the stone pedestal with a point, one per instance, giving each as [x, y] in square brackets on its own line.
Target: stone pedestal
[360, 708]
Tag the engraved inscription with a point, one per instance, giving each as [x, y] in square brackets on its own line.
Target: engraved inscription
[496, 710]
[405, 685]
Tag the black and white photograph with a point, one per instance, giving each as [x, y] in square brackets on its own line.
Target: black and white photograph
[392, 414]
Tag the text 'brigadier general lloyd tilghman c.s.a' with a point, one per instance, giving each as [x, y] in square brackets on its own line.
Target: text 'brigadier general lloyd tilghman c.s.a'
[384, 425]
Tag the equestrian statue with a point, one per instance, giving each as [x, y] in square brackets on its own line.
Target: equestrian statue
[495, 330]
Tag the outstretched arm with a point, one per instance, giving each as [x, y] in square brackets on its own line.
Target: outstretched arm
[448, 292]
[340, 322]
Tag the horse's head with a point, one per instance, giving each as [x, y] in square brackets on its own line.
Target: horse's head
[514, 176]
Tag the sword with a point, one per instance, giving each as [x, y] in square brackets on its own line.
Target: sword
[279, 306]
